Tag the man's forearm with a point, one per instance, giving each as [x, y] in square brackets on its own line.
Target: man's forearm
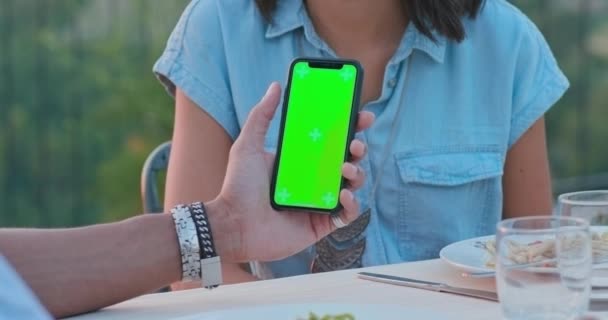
[78, 270]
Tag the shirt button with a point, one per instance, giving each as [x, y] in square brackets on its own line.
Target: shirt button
[392, 83]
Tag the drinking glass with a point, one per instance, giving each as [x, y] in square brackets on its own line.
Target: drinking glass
[543, 267]
[593, 207]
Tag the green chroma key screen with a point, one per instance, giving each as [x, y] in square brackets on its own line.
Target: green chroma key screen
[315, 134]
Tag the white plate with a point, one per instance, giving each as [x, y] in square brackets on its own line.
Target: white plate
[465, 256]
[293, 311]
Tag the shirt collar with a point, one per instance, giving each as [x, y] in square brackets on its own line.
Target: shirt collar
[434, 48]
[288, 17]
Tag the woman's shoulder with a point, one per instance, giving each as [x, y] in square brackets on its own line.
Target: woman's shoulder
[207, 25]
[502, 32]
[501, 20]
[226, 11]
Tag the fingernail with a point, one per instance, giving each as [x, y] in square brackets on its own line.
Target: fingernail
[269, 89]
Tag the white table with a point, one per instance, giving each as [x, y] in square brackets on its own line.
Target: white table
[341, 287]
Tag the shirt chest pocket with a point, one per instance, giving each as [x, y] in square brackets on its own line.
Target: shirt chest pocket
[446, 195]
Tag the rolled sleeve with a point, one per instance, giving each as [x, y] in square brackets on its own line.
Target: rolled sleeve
[195, 62]
[539, 83]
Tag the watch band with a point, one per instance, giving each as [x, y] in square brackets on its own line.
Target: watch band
[211, 268]
[188, 243]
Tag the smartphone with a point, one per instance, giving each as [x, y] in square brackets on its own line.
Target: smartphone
[318, 122]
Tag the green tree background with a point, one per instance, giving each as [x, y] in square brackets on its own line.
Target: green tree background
[80, 109]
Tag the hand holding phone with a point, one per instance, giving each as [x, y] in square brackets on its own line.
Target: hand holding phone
[320, 110]
[246, 188]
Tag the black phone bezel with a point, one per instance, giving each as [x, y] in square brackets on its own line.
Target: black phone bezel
[317, 63]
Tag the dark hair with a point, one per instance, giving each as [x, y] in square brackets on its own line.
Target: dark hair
[442, 16]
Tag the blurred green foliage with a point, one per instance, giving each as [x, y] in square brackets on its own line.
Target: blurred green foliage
[80, 109]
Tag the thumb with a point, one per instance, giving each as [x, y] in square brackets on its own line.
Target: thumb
[258, 121]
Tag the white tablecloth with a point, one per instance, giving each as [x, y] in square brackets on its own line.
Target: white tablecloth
[342, 287]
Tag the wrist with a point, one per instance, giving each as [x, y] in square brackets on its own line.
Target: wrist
[154, 236]
[226, 230]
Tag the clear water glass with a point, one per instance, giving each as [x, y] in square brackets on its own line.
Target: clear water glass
[543, 267]
[593, 207]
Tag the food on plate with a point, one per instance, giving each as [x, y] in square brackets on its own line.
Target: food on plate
[343, 316]
[543, 250]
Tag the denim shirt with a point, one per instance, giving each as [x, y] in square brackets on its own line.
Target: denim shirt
[17, 301]
[451, 110]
